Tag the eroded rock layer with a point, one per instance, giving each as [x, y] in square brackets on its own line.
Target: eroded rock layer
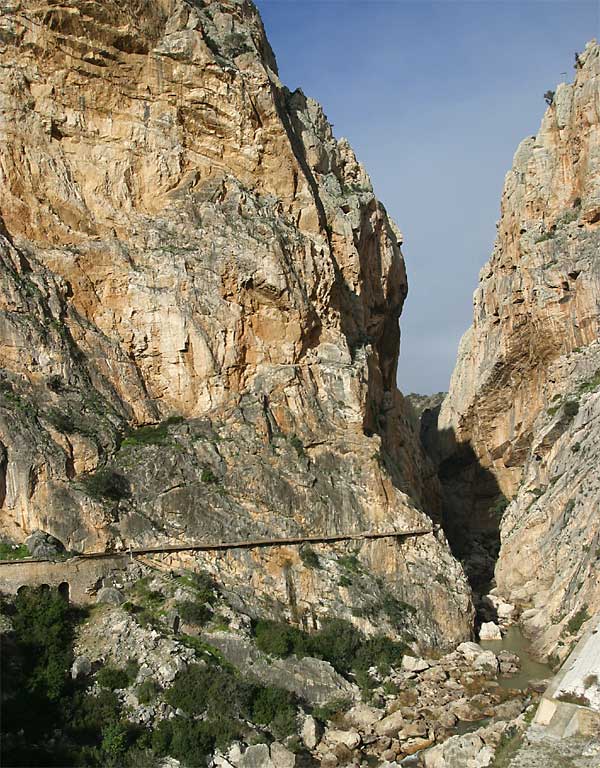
[520, 418]
[186, 248]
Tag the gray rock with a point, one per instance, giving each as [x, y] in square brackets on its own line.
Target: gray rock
[350, 739]
[486, 662]
[81, 667]
[390, 725]
[311, 732]
[470, 651]
[42, 544]
[257, 756]
[281, 757]
[362, 717]
[313, 680]
[490, 631]
[110, 596]
[414, 664]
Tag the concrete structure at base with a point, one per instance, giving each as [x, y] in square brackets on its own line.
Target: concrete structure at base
[77, 579]
[571, 704]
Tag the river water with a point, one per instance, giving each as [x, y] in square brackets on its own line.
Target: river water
[515, 642]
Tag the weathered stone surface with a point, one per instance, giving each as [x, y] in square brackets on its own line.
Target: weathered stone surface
[110, 595]
[81, 667]
[363, 717]
[522, 414]
[42, 544]
[181, 236]
[412, 664]
[489, 631]
[390, 725]
[349, 739]
[310, 732]
[313, 680]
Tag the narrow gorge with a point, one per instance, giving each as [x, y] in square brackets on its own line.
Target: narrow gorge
[200, 297]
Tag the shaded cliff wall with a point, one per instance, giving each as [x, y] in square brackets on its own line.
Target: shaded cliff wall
[523, 401]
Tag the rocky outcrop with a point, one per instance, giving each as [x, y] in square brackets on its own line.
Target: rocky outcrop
[199, 296]
[520, 417]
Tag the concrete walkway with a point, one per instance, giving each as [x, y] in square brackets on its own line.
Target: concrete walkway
[247, 544]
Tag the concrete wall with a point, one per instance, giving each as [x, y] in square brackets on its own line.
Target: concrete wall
[575, 678]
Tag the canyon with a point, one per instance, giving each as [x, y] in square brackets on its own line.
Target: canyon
[199, 313]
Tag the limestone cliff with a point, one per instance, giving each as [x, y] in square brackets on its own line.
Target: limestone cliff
[522, 413]
[200, 299]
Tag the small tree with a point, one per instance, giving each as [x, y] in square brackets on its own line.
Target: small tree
[549, 98]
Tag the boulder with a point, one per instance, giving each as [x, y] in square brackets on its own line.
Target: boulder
[486, 663]
[416, 728]
[281, 757]
[469, 651]
[390, 725]
[362, 717]
[509, 663]
[490, 631]
[42, 544]
[416, 745]
[414, 664]
[350, 739]
[81, 667]
[110, 596]
[257, 756]
[311, 732]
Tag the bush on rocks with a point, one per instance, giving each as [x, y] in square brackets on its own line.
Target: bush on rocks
[338, 642]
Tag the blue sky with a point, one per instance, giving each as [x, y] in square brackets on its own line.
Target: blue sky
[434, 97]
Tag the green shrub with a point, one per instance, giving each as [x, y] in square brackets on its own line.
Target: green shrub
[499, 506]
[147, 691]
[381, 652]
[337, 642]
[277, 638]
[225, 700]
[194, 612]
[114, 745]
[545, 236]
[571, 408]
[208, 476]
[90, 713]
[276, 708]
[328, 711]
[151, 434]
[350, 563]
[186, 740]
[62, 420]
[578, 620]
[309, 558]
[298, 445]
[106, 484]
[591, 385]
[112, 678]
[10, 551]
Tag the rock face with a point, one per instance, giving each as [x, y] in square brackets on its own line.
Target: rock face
[186, 248]
[521, 417]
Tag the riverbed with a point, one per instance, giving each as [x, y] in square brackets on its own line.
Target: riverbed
[531, 669]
